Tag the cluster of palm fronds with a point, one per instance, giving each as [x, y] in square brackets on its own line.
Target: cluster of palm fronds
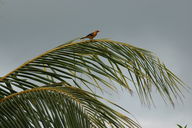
[54, 85]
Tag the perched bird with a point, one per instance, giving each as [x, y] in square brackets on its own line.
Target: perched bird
[91, 35]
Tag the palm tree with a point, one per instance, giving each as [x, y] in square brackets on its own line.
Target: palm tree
[56, 88]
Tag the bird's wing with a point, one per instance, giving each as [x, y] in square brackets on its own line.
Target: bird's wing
[91, 34]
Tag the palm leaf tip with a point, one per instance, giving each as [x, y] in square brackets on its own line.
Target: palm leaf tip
[71, 107]
[98, 63]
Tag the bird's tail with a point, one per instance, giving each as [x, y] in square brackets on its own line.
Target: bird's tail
[82, 38]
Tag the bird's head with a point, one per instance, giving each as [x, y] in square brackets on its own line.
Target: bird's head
[97, 31]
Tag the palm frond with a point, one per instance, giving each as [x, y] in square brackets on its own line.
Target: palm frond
[182, 126]
[59, 107]
[98, 63]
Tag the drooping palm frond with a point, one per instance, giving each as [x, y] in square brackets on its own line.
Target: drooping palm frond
[59, 107]
[99, 63]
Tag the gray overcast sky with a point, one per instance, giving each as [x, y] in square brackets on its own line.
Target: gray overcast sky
[30, 27]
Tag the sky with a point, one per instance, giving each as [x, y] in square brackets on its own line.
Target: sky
[28, 28]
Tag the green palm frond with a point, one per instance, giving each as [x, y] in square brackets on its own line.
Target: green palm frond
[96, 63]
[182, 126]
[59, 107]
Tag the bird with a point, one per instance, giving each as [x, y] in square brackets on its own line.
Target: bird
[91, 35]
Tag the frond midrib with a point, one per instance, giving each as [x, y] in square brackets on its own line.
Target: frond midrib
[33, 90]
